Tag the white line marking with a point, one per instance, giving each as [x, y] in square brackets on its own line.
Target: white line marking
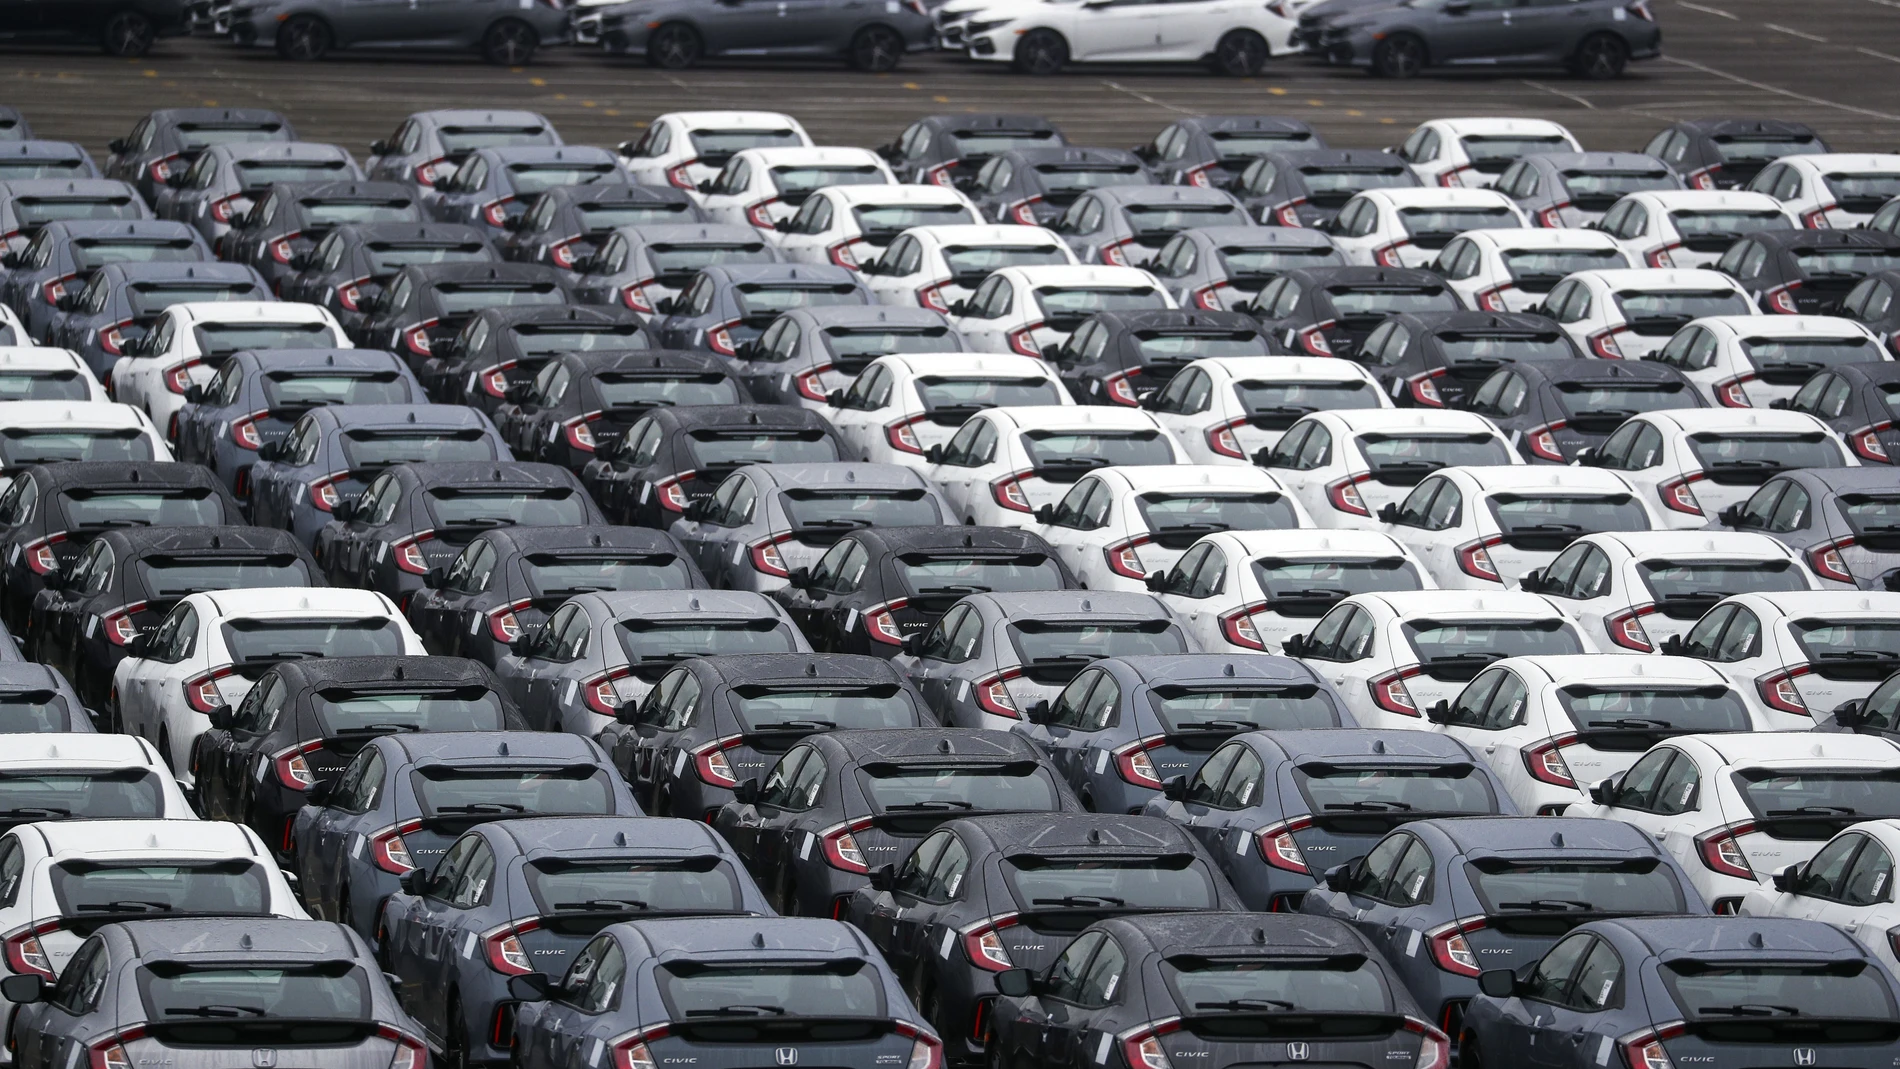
[1878, 55]
[1561, 93]
[1794, 33]
[1717, 12]
[1777, 90]
[1149, 99]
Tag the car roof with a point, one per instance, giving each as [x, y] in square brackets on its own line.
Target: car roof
[482, 117]
[1432, 604]
[1484, 125]
[951, 364]
[436, 274]
[1142, 478]
[801, 155]
[893, 193]
[1866, 479]
[512, 474]
[1424, 420]
[145, 838]
[1440, 197]
[1314, 540]
[32, 357]
[1234, 934]
[1512, 478]
[1364, 742]
[1729, 127]
[751, 120]
[231, 115]
[269, 361]
[1543, 237]
[1783, 326]
[1785, 748]
[193, 312]
[1240, 668]
[241, 151]
[604, 193]
[1080, 275]
[1178, 319]
[1060, 417]
[949, 539]
[509, 155]
[123, 474]
[54, 413]
[426, 232]
[250, 938]
[867, 315]
[1361, 275]
[988, 233]
[1797, 602]
[1823, 161]
[1134, 194]
[934, 744]
[74, 749]
[1245, 123]
[1734, 420]
[1093, 833]
[255, 601]
[842, 473]
[1077, 605]
[1320, 157]
[1714, 544]
[1619, 668]
[1539, 835]
[1658, 278]
[1320, 369]
[401, 416]
[345, 187]
[142, 228]
[77, 187]
[566, 836]
[750, 937]
[1601, 161]
[1262, 237]
[1689, 199]
[667, 604]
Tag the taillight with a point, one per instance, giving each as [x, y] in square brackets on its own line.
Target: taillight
[932, 297]
[1451, 179]
[1552, 218]
[1817, 219]
[880, 622]
[1451, 950]
[410, 1053]
[983, 942]
[841, 254]
[579, 435]
[161, 169]
[1640, 9]
[495, 212]
[1781, 299]
[1010, 493]
[759, 215]
[635, 296]
[1731, 394]
[112, 339]
[1827, 562]
[1434, 1047]
[602, 692]
[1343, 495]
[1390, 693]
[993, 697]
[178, 379]
[562, 254]
[1288, 214]
[1721, 851]
[244, 432]
[1313, 340]
[1198, 176]
[1223, 440]
[631, 1051]
[841, 848]
[1782, 694]
[503, 625]
[1543, 441]
[1603, 344]
[221, 209]
[323, 492]
[25, 955]
[1659, 257]
[1474, 559]
[1678, 497]
[1388, 255]
[1141, 1047]
[1645, 1050]
[1134, 764]
[1238, 628]
[387, 849]
[1492, 300]
[292, 765]
[810, 386]
[767, 558]
[1023, 213]
[671, 491]
[41, 556]
[503, 947]
[1208, 297]
[1867, 444]
[903, 435]
[1545, 761]
[1278, 848]
[428, 174]
[1626, 629]
[119, 628]
[494, 379]
[719, 339]
[110, 1053]
[926, 1050]
[408, 555]
[679, 178]
[56, 289]
[350, 294]
[1022, 341]
[202, 692]
[711, 765]
[1120, 390]
[1115, 253]
[1424, 389]
[281, 251]
[1124, 560]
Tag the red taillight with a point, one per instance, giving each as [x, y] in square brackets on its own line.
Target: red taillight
[350, 294]
[1123, 558]
[1781, 692]
[1278, 847]
[494, 380]
[495, 212]
[428, 174]
[562, 253]
[202, 692]
[244, 433]
[579, 435]
[1781, 299]
[903, 435]
[1474, 559]
[1141, 1047]
[1010, 493]
[601, 693]
[178, 379]
[1288, 214]
[408, 555]
[1626, 629]
[110, 1053]
[41, 556]
[1134, 764]
[993, 696]
[1208, 297]
[926, 1050]
[932, 297]
[502, 946]
[983, 942]
[323, 492]
[417, 338]
[281, 251]
[1222, 439]
[1645, 1051]
[503, 625]
[119, 628]
[1022, 213]
[1543, 441]
[1239, 629]
[841, 848]
[387, 849]
[1817, 219]
[1451, 180]
[161, 170]
[1678, 497]
[56, 289]
[1827, 562]
[1867, 444]
[880, 622]
[1603, 344]
[810, 385]
[112, 339]
[1343, 494]
[1721, 852]
[1115, 253]
[25, 955]
[1434, 1047]
[1388, 255]
[1545, 761]
[840, 253]
[1023, 341]
[760, 216]
[766, 557]
[1659, 257]
[1640, 9]
[679, 177]
[1313, 340]
[719, 339]
[711, 765]
[1731, 394]
[671, 491]
[635, 296]
[1424, 388]
[292, 766]
[1390, 693]
[221, 210]
[1198, 176]
[1492, 300]
[1120, 390]
[1451, 950]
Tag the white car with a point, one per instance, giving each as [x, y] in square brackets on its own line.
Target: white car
[1637, 590]
[684, 148]
[1511, 270]
[187, 341]
[38, 373]
[89, 776]
[1475, 153]
[934, 267]
[902, 405]
[1797, 655]
[1345, 466]
[1551, 726]
[1028, 310]
[43, 432]
[1394, 654]
[1409, 227]
[1709, 798]
[1251, 590]
[1225, 409]
[1831, 190]
[12, 331]
[1757, 361]
[212, 646]
[1118, 526]
[1630, 313]
[1004, 463]
[58, 870]
[1039, 39]
[1689, 227]
[1847, 883]
[852, 226]
[1695, 462]
[1483, 528]
[762, 187]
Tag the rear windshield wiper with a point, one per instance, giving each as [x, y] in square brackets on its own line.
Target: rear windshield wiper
[215, 1011]
[36, 811]
[934, 803]
[1815, 811]
[1549, 905]
[375, 729]
[1751, 1009]
[749, 1010]
[1217, 725]
[815, 725]
[1247, 1004]
[1629, 722]
[482, 807]
[125, 906]
[1371, 806]
[603, 903]
[1080, 900]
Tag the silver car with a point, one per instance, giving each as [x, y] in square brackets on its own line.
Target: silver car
[428, 146]
[807, 353]
[640, 266]
[675, 34]
[494, 185]
[1572, 189]
[504, 34]
[1220, 268]
[225, 180]
[1593, 39]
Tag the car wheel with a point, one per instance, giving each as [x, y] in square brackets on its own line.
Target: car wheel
[877, 49]
[455, 1043]
[128, 33]
[304, 38]
[1400, 56]
[1240, 54]
[509, 43]
[1041, 52]
[1468, 1056]
[674, 46]
[1600, 57]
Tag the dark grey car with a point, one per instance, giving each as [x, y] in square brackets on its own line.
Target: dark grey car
[1035, 186]
[504, 34]
[1570, 189]
[1841, 520]
[640, 266]
[1592, 38]
[123, 300]
[430, 145]
[679, 33]
[1220, 268]
[168, 141]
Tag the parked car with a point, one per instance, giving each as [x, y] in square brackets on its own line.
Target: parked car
[428, 146]
[121, 302]
[684, 148]
[1763, 361]
[1224, 268]
[168, 141]
[1835, 518]
[1727, 153]
[1563, 189]
[1853, 400]
[1226, 410]
[1690, 228]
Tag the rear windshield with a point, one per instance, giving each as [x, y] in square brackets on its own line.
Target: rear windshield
[1863, 192]
[727, 142]
[56, 795]
[469, 138]
[1168, 218]
[596, 216]
[147, 299]
[1079, 302]
[1554, 514]
[970, 264]
[712, 449]
[1868, 514]
[1247, 144]
[28, 712]
[1027, 787]
[991, 142]
[1450, 788]
[795, 181]
[760, 708]
[938, 391]
[683, 885]
[1725, 990]
[551, 576]
[297, 389]
[94, 253]
[521, 508]
[1820, 792]
[672, 260]
[1556, 263]
[1169, 346]
[1296, 399]
[1334, 186]
[1670, 580]
[1728, 221]
[175, 577]
[374, 449]
[235, 337]
[538, 340]
[193, 137]
[337, 212]
[20, 446]
[1337, 578]
[1043, 641]
[141, 508]
[1438, 642]
[1813, 353]
[448, 791]
[259, 174]
[1767, 147]
[1062, 184]
[33, 211]
[763, 302]
[271, 640]
[847, 988]
[1621, 398]
[1639, 885]
[1081, 450]
[645, 640]
[646, 391]
[883, 341]
[1169, 513]
[1347, 984]
[387, 258]
[1426, 452]
[1847, 640]
[1459, 346]
[889, 219]
[1248, 708]
[1480, 147]
[1650, 708]
[849, 509]
[1268, 261]
[462, 298]
[529, 178]
[1419, 221]
[174, 991]
[473, 708]
[1172, 882]
[1607, 186]
[1682, 304]
[83, 887]
[1740, 452]
[1377, 302]
[926, 574]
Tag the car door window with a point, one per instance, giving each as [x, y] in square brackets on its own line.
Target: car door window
[1871, 879]
[259, 710]
[1550, 980]
[1637, 787]
[842, 570]
[1592, 578]
[1207, 578]
[1558, 573]
[1679, 789]
[1759, 510]
[476, 876]
[442, 879]
[946, 876]
[1706, 633]
[1411, 880]
[1374, 874]
[1066, 710]
[1598, 983]
[1506, 705]
[1099, 710]
[83, 980]
[603, 984]
[915, 870]
[1740, 640]
[1791, 512]
[1070, 512]
[1203, 788]
[795, 781]
[1064, 982]
[363, 792]
[1240, 789]
[1826, 875]
[12, 865]
[937, 642]
[1104, 976]
[1467, 709]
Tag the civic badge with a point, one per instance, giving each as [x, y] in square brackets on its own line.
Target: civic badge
[264, 1058]
[1804, 1056]
[1298, 1052]
[789, 1056]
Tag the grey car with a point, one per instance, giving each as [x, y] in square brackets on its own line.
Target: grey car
[1591, 38]
[566, 225]
[942, 149]
[640, 266]
[24, 160]
[121, 301]
[494, 185]
[29, 204]
[809, 353]
[1126, 226]
[598, 654]
[993, 656]
[505, 35]
[428, 146]
[1571, 189]
[1212, 150]
[766, 519]
[1035, 186]
[1221, 268]
[728, 306]
[1306, 188]
[347, 271]
[226, 180]
[675, 34]
[63, 256]
[1841, 520]
[135, 992]
[168, 140]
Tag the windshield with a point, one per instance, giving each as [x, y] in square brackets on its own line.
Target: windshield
[938, 391]
[1863, 192]
[1170, 882]
[1815, 353]
[719, 143]
[1040, 641]
[237, 886]
[173, 991]
[1266, 262]
[270, 640]
[1604, 187]
[646, 391]
[335, 212]
[20, 446]
[1025, 787]
[1305, 579]
[492, 508]
[1713, 580]
[1456, 220]
[934, 574]
[1351, 302]
[1720, 452]
[298, 389]
[34, 211]
[1760, 147]
[1621, 398]
[847, 509]
[990, 142]
[1062, 185]
[672, 261]
[715, 449]
[1081, 450]
[970, 264]
[1681, 709]
[645, 640]
[1299, 398]
[1459, 346]
[887, 219]
[455, 299]
[147, 299]
[765, 302]
[529, 178]
[461, 139]
[794, 182]
[883, 341]
[1248, 708]
[1556, 263]
[1168, 218]
[1232, 145]
[1429, 451]
[388, 258]
[1070, 303]
[260, 174]
[596, 217]
[235, 337]
[474, 708]
[762, 708]
[28, 712]
[94, 253]
[1730, 222]
[42, 385]
[700, 884]
[1155, 344]
[1172, 513]
[1555, 514]
[1640, 885]
[1863, 795]
[1870, 515]
[56, 795]
[1847, 989]
[375, 449]
[448, 791]
[1436, 641]
[1682, 304]
[175, 577]
[1332, 187]
[1422, 789]
[848, 988]
[1847, 640]
[141, 508]
[1345, 984]
[552, 576]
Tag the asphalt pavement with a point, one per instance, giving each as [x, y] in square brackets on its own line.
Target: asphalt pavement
[1832, 63]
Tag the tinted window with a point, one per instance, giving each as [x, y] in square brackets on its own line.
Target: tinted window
[1170, 882]
[83, 887]
[645, 640]
[285, 389]
[1489, 639]
[20, 446]
[1185, 513]
[1680, 709]
[174, 577]
[176, 991]
[1024, 788]
[1731, 452]
[846, 509]
[563, 576]
[1639, 885]
[941, 392]
[1182, 708]
[445, 791]
[461, 709]
[848, 988]
[374, 449]
[1706, 990]
[761, 708]
[557, 508]
[1095, 449]
[267, 640]
[935, 574]
[133, 508]
[56, 795]
[713, 449]
[702, 883]
[1346, 984]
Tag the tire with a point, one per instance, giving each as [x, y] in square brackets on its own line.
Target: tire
[304, 39]
[675, 47]
[455, 1040]
[128, 33]
[1468, 1056]
[1041, 52]
[877, 49]
[510, 43]
[1240, 54]
[1399, 56]
[1600, 58]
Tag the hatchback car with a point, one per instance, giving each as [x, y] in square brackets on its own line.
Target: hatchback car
[1410, 227]
[36, 373]
[941, 149]
[728, 307]
[1830, 190]
[1796, 654]
[227, 180]
[44, 432]
[1306, 187]
[85, 776]
[566, 225]
[1504, 270]
[1871, 304]
[1808, 272]
[640, 266]
[1329, 311]
[169, 140]
[901, 406]
[807, 354]
[63, 256]
[1224, 268]
[1631, 314]
[1690, 228]
[853, 226]
[35, 699]
[121, 301]
[1043, 40]
[1473, 152]
[305, 35]
[1727, 153]
[348, 270]
[672, 457]
[1127, 226]
[292, 218]
[678, 36]
[1005, 463]
[762, 187]
[428, 146]
[1121, 358]
[1225, 410]
[577, 400]
[498, 348]
[1441, 359]
[1845, 884]
[1574, 189]
[1036, 186]
[936, 267]
[28, 204]
[494, 185]
[1763, 361]
[1565, 409]
[426, 305]
[1857, 401]
[1391, 43]
[1029, 310]
[1346, 465]
[684, 148]
[1836, 518]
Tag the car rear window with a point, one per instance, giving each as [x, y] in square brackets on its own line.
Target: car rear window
[1621, 398]
[56, 794]
[971, 264]
[1739, 452]
[43, 385]
[1820, 792]
[175, 577]
[1681, 304]
[1307, 578]
[85, 887]
[652, 885]
[597, 216]
[141, 508]
[676, 263]
[1837, 263]
[1863, 192]
[1426, 221]
[1172, 882]
[175, 991]
[714, 449]
[847, 509]
[888, 220]
[1534, 265]
[94, 253]
[20, 446]
[1733, 222]
[1198, 345]
[504, 508]
[528, 178]
[1025, 787]
[1564, 885]
[536, 339]
[375, 449]
[30, 711]
[196, 137]
[647, 640]
[1452, 788]
[1062, 184]
[249, 639]
[1847, 640]
[948, 573]
[1251, 266]
[944, 391]
[1081, 450]
[1248, 144]
[883, 341]
[757, 301]
[1871, 514]
[1429, 452]
[1169, 218]
[552, 575]
[225, 338]
[722, 143]
[1815, 353]
[297, 389]
[1491, 345]
[1248, 708]
[1451, 642]
[449, 791]
[1165, 512]
[618, 390]
[388, 257]
[147, 299]
[1291, 400]
[1345, 984]
[1076, 303]
[1760, 147]
[991, 142]
[1377, 302]
[459, 139]
[1332, 187]
[1566, 514]
[461, 298]
[339, 212]
[1727, 990]
[261, 174]
[1604, 187]
[472, 708]
[795, 182]
[1712, 580]
[844, 707]
[1611, 707]
[34, 211]
[1042, 642]
[849, 987]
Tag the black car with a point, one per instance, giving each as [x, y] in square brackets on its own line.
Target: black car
[1726, 153]
[415, 517]
[1871, 303]
[982, 895]
[672, 457]
[121, 301]
[565, 226]
[1556, 410]
[578, 400]
[1860, 401]
[125, 581]
[1807, 272]
[713, 723]
[873, 588]
[52, 511]
[504, 348]
[1236, 987]
[119, 27]
[868, 798]
[1212, 150]
[1329, 311]
[347, 271]
[1119, 358]
[1436, 359]
[425, 306]
[36, 700]
[167, 141]
[1035, 186]
[293, 217]
[945, 150]
[1307, 187]
[302, 722]
[507, 581]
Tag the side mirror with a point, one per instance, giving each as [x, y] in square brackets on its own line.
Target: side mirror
[513, 222]
[799, 579]
[696, 509]
[884, 878]
[414, 882]
[1457, 7]
[141, 645]
[913, 644]
[530, 987]
[934, 454]
[664, 307]
[1850, 714]
[1533, 581]
[1174, 788]
[176, 179]
[379, 147]
[747, 792]
[1339, 877]
[706, 186]
[835, 398]
[1294, 645]
[583, 266]
[10, 260]
[221, 718]
[1037, 712]
[345, 510]
[1045, 514]
[1498, 983]
[1587, 456]
[195, 394]
[526, 642]
[435, 577]
[1780, 402]
[1730, 516]
[301, 262]
[1157, 582]
[239, 220]
[116, 146]
[67, 302]
[959, 308]
[54, 580]
[1388, 513]
[273, 450]
[1788, 879]
[320, 793]
[1016, 983]
[1672, 646]
[1603, 791]
[24, 988]
[1439, 712]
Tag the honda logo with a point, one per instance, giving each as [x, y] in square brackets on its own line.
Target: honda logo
[789, 1056]
[264, 1058]
[1298, 1052]
[1804, 1056]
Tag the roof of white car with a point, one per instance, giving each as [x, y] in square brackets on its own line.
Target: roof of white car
[249, 312]
[1080, 275]
[1678, 200]
[986, 234]
[1542, 237]
[144, 838]
[34, 357]
[973, 364]
[68, 750]
[294, 601]
[1780, 326]
[1079, 417]
[1653, 279]
[1392, 420]
[1678, 545]
[807, 155]
[1846, 161]
[1475, 604]
[1517, 478]
[56, 413]
[1286, 368]
[1496, 125]
[735, 120]
[1186, 478]
[1793, 748]
[1440, 197]
[1734, 420]
[1619, 668]
[902, 193]
[1823, 602]
[1314, 541]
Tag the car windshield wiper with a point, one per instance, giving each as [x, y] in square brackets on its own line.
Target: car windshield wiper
[963, 588]
[36, 811]
[215, 1011]
[1080, 900]
[482, 807]
[1595, 413]
[125, 906]
[1751, 1009]
[1763, 465]
[570, 591]
[1629, 721]
[933, 803]
[120, 523]
[1064, 658]
[603, 903]
[482, 521]
[840, 522]
[1371, 805]
[1204, 525]
[1217, 725]
[742, 1010]
[1856, 655]
[1311, 592]
[376, 729]
[1476, 657]
[815, 725]
[1247, 1004]
[1546, 527]
[1549, 905]
[1075, 462]
[1815, 811]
